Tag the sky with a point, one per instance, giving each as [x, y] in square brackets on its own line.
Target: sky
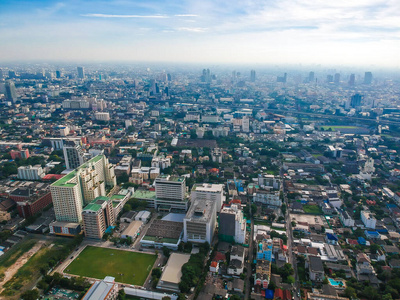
[338, 32]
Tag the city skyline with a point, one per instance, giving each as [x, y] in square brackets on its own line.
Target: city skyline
[287, 32]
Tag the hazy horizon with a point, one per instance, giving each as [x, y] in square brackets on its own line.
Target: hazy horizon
[358, 33]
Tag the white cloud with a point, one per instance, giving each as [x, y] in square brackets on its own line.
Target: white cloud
[192, 29]
[125, 16]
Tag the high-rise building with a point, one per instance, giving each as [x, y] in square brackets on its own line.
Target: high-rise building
[30, 172]
[81, 186]
[282, 79]
[232, 225]
[81, 72]
[207, 191]
[368, 78]
[355, 100]
[1, 73]
[11, 92]
[245, 124]
[73, 154]
[311, 77]
[252, 75]
[337, 78]
[200, 222]
[170, 187]
[97, 216]
[58, 74]
[352, 80]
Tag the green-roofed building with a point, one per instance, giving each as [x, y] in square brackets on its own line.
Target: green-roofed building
[97, 216]
[81, 186]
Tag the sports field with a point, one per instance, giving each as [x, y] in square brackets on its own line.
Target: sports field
[126, 266]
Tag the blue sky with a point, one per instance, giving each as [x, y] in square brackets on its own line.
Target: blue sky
[356, 32]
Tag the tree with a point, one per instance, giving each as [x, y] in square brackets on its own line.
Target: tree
[374, 248]
[30, 295]
[121, 294]
[350, 292]
[156, 272]
[166, 251]
[166, 298]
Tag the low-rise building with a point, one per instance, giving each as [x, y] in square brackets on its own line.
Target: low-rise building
[105, 289]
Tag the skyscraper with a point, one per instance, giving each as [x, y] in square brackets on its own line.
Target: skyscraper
[352, 80]
[81, 72]
[368, 78]
[73, 154]
[355, 100]
[11, 92]
[252, 75]
[58, 74]
[311, 77]
[337, 78]
[81, 186]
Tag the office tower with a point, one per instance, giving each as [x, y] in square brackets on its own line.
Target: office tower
[232, 225]
[73, 154]
[329, 78]
[252, 75]
[311, 77]
[1, 73]
[81, 186]
[12, 74]
[245, 124]
[58, 74]
[81, 72]
[169, 77]
[355, 100]
[200, 222]
[282, 79]
[368, 78]
[11, 92]
[337, 78]
[97, 216]
[170, 187]
[352, 80]
[207, 191]
[152, 86]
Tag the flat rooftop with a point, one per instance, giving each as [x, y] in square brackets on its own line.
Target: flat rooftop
[201, 211]
[172, 272]
[208, 187]
[144, 194]
[165, 229]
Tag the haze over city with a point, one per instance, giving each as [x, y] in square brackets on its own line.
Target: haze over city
[281, 32]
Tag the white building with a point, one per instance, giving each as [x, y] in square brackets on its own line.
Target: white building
[346, 219]
[170, 187]
[30, 172]
[209, 118]
[73, 154]
[216, 155]
[220, 131]
[102, 116]
[270, 198]
[266, 181]
[105, 289]
[207, 191]
[200, 222]
[368, 219]
[161, 162]
[245, 124]
[81, 186]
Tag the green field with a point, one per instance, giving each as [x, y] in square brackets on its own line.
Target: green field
[312, 209]
[126, 266]
[333, 127]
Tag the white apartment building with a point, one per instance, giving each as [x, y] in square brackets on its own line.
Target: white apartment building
[30, 172]
[207, 191]
[216, 155]
[368, 219]
[161, 162]
[245, 124]
[170, 187]
[346, 219]
[220, 131]
[102, 116]
[270, 198]
[73, 154]
[200, 222]
[80, 187]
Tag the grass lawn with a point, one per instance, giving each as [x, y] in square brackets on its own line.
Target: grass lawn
[312, 209]
[333, 127]
[262, 222]
[97, 262]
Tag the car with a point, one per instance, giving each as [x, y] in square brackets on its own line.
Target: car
[159, 264]
[72, 257]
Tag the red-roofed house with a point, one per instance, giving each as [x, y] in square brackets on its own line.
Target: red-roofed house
[282, 294]
[214, 267]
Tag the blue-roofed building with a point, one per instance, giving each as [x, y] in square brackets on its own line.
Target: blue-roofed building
[269, 294]
[361, 241]
[372, 235]
[264, 250]
[331, 238]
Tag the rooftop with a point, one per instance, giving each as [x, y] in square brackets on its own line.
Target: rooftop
[201, 211]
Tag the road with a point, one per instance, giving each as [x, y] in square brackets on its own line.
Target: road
[289, 232]
[250, 257]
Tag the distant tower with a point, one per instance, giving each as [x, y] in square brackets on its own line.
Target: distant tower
[329, 78]
[352, 80]
[81, 72]
[11, 92]
[252, 75]
[337, 78]
[58, 74]
[355, 100]
[368, 78]
[311, 77]
[1, 73]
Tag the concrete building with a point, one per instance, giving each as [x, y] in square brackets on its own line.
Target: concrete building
[170, 187]
[316, 269]
[97, 216]
[268, 181]
[216, 155]
[207, 191]
[232, 225]
[368, 219]
[171, 277]
[270, 198]
[73, 154]
[200, 222]
[80, 187]
[30, 201]
[30, 172]
[102, 116]
[161, 162]
[105, 289]
[133, 230]
[346, 219]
